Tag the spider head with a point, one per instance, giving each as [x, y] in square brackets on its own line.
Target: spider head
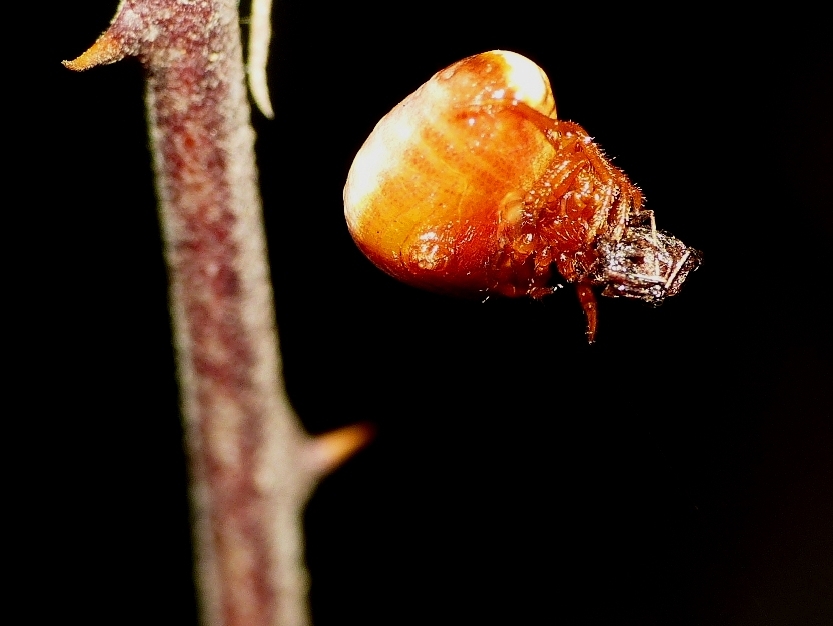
[645, 263]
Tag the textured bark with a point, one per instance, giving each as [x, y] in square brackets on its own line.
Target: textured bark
[252, 466]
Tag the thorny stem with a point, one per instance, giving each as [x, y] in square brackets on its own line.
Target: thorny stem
[252, 465]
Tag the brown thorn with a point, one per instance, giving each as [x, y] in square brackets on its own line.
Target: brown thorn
[106, 50]
[328, 451]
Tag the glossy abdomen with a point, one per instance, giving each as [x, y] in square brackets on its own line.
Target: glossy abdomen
[429, 215]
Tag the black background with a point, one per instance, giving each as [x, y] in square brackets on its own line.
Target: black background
[678, 472]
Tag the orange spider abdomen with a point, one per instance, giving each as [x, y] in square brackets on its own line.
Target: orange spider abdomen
[424, 196]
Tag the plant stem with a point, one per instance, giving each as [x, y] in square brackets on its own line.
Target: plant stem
[252, 465]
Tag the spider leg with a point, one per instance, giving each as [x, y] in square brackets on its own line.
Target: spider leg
[626, 197]
[677, 268]
[588, 302]
[656, 245]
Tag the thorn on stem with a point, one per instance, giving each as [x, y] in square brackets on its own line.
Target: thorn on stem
[106, 50]
[260, 35]
[326, 452]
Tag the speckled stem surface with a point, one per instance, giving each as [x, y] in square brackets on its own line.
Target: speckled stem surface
[249, 481]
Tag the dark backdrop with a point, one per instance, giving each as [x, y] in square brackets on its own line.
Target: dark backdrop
[678, 472]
